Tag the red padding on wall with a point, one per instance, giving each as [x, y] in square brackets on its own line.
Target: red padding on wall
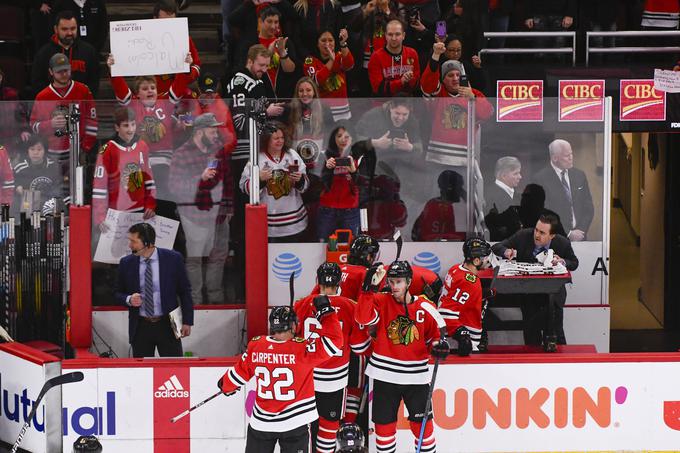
[80, 271]
[257, 289]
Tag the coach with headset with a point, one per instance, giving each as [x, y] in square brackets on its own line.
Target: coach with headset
[153, 282]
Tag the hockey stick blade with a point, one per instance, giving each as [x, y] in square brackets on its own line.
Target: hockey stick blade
[291, 289]
[400, 242]
[192, 408]
[75, 376]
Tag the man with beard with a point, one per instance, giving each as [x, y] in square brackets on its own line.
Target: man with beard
[198, 169]
[82, 57]
[409, 329]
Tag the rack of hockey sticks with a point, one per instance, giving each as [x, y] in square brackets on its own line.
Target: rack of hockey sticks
[32, 276]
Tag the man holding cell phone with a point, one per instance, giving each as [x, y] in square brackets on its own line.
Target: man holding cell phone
[200, 177]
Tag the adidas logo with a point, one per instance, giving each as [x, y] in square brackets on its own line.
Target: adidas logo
[171, 389]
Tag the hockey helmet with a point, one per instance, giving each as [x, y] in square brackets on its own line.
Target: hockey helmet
[87, 444]
[363, 247]
[282, 319]
[400, 269]
[350, 438]
[328, 274]
[476, 248]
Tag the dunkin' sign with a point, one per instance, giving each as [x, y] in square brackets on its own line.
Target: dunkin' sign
[639, 101]
[581, 100]
[519, 100]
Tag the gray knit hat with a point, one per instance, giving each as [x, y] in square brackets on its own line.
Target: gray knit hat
[451, 65]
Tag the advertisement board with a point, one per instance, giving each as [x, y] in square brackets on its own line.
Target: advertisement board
[553, 406]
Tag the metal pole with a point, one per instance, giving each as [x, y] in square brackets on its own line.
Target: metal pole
[606, 220]
[254, 156]
[73, 127]
[471, 200]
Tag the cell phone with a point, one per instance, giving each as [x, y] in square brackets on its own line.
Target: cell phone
[294, 168]
[343, 162]
[441, 29]
[463, 80]
[413, 14]
[397, 133]
[213, 163]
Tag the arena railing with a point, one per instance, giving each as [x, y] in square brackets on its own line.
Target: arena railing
[615, 48]
[532, 35]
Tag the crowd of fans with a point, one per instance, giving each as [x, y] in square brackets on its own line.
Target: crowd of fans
[366, 105]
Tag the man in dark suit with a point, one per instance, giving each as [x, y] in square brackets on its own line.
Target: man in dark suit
[502, 197]
[567, 191]
[523, 246]
[150, 281]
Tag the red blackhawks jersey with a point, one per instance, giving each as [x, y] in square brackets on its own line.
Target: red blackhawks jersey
[6, 178]
[123, 179]
[155, 122]
[331, 376]
[385, 70]
[448, 142]
[437, 222]
[53, 101]
[401, 347]
[332, 82]
[284, 370]
[461, 302]
[421, 276]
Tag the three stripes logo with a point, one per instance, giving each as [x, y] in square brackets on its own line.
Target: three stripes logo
[172, 388]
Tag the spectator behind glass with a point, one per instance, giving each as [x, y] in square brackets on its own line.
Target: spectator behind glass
[123, 179]
[283, 179]
[40, 16]
[93, 21]
[472, 66]
[37, 174]
[437, 221]
[316, 16]
[167, 9]
[395, 68]
[392, 128]
[82, 56]
[328, 69]
[14, 119]
[51, 107]
[197, 171]
[339, 202]
[464, 20]
[502, 198]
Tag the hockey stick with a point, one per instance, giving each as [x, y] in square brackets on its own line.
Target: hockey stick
[75, 376]
[291, 288]
[186, 412]
[400, 242]
[428, 404]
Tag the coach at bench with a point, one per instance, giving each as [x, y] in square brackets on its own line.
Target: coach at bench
[150, 282]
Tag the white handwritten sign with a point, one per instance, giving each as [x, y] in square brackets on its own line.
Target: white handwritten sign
[668, 81]
[113, 245]
[149, 47]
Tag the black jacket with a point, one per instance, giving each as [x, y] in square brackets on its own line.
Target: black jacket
[556, 197]
[84, 64]
[92, 15]
[523, 242]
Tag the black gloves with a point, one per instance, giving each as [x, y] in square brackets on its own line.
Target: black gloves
[440, 349]
[488, 293]
[462, 336]
[322, 304]
[369, 283]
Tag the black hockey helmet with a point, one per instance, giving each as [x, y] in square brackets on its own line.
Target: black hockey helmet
[87, 444]
[433, 289]
[400, 269]
[476, 248]
[362, 247]
[282, 319]
[350, 439]
[328, 274]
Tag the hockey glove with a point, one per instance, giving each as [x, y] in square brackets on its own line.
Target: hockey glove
[219, 385]
[462, 336]
[323, 307]
[440, 349]
[374, 276]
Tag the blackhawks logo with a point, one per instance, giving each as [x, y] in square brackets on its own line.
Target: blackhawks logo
[402, 331]
[279, 185]
[152, 129]
[132, 177]
[454, 117]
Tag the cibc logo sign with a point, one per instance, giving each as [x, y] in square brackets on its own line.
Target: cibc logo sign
[581, 100]
[519, 100]
[640, 101]
[172, 388]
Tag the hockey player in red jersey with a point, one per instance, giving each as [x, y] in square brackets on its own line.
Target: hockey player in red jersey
[123, 179]
[49, 116]
[461, 303]
[284, 365]
[330, 378]
[409, 329]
